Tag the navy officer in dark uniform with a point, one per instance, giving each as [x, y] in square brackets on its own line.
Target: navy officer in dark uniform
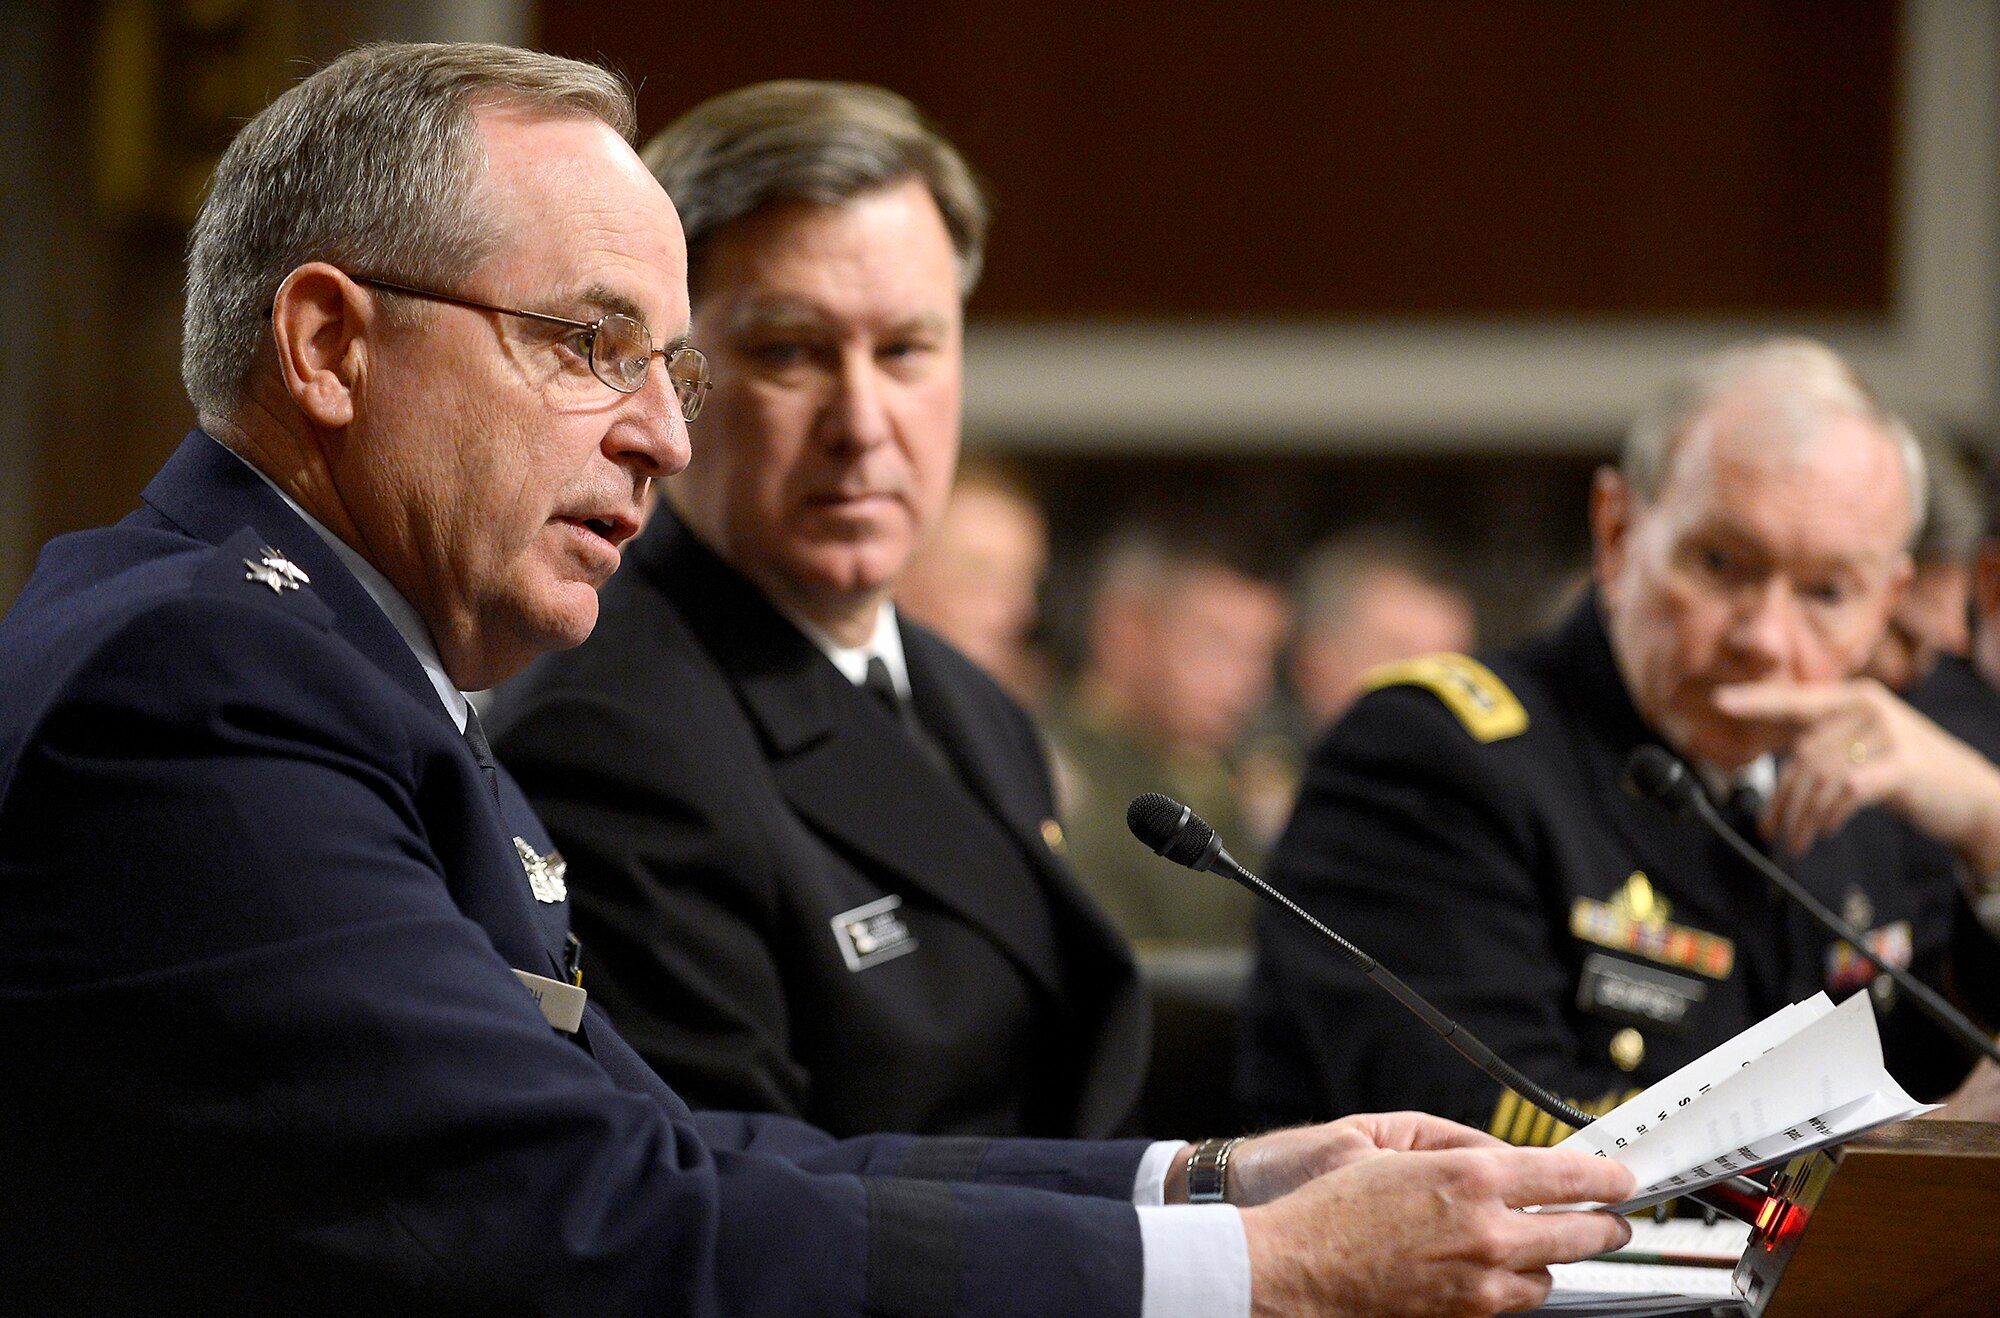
[812, 846]
[1465, 822]
[292, 1019]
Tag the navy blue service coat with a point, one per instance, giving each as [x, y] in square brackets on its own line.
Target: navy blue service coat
[258, 912]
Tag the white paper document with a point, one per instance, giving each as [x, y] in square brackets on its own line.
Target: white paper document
[1687, 1265]
[1807, 1076]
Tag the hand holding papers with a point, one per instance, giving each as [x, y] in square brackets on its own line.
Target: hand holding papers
[1807, 1076]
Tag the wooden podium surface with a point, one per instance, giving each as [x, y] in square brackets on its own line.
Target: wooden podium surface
[1902, 1222]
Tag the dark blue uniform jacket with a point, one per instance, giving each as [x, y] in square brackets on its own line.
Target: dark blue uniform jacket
[263, 1049]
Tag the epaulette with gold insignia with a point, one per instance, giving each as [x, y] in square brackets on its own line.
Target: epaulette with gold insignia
[1467, 687]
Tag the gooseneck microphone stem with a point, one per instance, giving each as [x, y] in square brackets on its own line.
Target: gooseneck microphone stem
[1947, 1018]
[1180, 835]
[1467, 1045]
[1172, 830]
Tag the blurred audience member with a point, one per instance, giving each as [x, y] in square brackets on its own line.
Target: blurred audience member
[1963, 695]
[1930, 620]
[1366, 598]
[975, 581]
[1182, 641]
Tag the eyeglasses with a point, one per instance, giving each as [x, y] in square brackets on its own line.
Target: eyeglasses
[621, 348]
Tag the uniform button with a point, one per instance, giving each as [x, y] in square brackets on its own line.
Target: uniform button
[1053, 835]
[1628, 1049]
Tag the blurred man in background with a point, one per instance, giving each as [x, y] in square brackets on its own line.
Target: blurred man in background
[977, 581]
[1365, 598]
[1931, 618]
[1180, 651]
[1467, 824]
[1973, 710]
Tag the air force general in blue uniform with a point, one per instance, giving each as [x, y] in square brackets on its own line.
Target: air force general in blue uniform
[267, 1052]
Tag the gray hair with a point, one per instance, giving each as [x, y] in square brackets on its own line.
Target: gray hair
[374, 164]
[1806, 375]
[817, 142]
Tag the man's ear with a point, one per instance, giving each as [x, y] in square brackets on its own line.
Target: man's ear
[1614, 505]
[320, 321]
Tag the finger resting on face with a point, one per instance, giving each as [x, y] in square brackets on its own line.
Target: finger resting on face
[1779, 703]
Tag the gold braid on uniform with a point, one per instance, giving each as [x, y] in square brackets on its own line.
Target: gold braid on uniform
[1518, 1121]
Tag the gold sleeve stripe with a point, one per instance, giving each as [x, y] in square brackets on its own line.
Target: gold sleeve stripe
[1524, 1119]
[1518, 1121]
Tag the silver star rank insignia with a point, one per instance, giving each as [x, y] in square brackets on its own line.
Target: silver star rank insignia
[273, 569]
[545, 873]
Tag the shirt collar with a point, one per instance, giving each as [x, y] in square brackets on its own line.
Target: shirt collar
[400, 612]
[1760, 776]
[852, 660]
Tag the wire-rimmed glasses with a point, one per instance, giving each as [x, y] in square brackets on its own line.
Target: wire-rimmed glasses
[621, 348]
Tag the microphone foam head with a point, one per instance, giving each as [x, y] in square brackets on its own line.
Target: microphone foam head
[1653, 774]
[1169, 828]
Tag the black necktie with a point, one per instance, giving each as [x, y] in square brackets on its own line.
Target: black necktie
[482, 751]
[883, 687]
[1743, 808]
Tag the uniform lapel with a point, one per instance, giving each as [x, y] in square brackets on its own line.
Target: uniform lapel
[1014, 803]
[209, 493]
[1112, 1042]
[843, 763]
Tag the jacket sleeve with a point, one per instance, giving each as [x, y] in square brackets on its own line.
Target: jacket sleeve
[280, 1066]
[1412, 840]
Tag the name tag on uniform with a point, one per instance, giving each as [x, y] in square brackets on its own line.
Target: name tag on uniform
[872, 933]
[561, 1004]
[1637, 995]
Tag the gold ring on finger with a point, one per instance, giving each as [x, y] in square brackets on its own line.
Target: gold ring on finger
[1857, 751]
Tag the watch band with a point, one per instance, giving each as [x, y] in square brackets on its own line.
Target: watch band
[1208, 1171]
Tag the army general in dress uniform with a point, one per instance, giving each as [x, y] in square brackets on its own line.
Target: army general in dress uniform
[1465, 822]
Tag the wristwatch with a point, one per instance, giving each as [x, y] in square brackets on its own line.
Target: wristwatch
[1208, 1171]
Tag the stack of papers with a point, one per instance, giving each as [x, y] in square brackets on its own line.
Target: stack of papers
[1806, 1076]
[1669, 1267]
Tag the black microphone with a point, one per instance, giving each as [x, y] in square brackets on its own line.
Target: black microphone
[1172, 830]
[1654, 774]
[1176, 832]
